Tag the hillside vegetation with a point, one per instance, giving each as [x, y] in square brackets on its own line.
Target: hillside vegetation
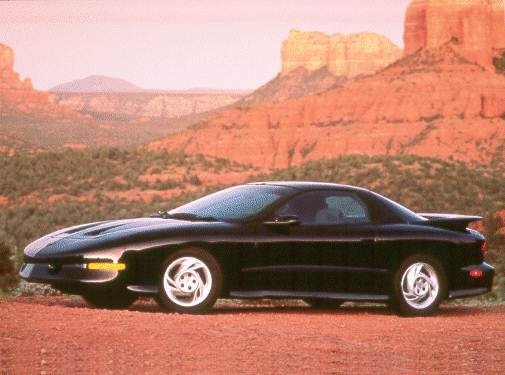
[420, 183]
[24, 134]
[47, 191]
[79, 173]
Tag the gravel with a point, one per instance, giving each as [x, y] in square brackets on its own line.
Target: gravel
[61, 335]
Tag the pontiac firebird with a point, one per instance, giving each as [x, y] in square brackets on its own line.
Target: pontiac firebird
[323, 243]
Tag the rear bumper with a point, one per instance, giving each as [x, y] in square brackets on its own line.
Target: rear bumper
[464, 285]
[65, 273]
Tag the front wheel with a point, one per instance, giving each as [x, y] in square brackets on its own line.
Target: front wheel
[190, 281]
[419, 286]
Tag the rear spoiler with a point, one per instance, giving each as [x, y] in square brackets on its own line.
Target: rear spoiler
[449, 221]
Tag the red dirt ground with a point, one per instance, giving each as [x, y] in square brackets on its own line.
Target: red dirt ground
[60, 335]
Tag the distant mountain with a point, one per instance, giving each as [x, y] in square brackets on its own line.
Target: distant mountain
[97, 83]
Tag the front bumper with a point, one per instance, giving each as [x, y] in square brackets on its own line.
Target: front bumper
[464, 285]
[65, 273]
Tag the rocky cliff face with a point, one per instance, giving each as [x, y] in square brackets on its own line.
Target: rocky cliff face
[297, 83]
[19, 97]
[437, 101]
[6, 58]
[342, 55]
[148, 105]
[477, 26]
[431, 103]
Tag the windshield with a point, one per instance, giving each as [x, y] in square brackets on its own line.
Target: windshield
[239, 202]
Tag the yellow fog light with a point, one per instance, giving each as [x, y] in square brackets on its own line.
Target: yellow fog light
[107, 266]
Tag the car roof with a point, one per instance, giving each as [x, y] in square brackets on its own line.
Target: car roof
[308, 185]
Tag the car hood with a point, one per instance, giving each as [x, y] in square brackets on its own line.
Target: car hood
[93, 236]
[107, 227]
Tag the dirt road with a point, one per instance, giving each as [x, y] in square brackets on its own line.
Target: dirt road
[58, 335]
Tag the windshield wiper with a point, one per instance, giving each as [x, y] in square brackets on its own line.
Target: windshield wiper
[184, 216]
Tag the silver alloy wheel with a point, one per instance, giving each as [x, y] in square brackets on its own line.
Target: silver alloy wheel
[187, 281]
[420, 285]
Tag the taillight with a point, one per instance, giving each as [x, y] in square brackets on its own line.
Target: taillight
[483, 248]
[476, 273]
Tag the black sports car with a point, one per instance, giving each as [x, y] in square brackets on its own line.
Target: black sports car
[323, 243]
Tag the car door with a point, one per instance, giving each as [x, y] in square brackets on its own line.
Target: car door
[328, 249]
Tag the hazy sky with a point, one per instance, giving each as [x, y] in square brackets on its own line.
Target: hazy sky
[176, 44]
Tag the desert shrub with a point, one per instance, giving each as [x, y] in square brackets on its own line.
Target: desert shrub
[8, 274]
[493, 234]
[33, 289]
[193, 179]
[499, 63]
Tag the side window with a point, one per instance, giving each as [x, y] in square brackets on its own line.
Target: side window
[326, 207]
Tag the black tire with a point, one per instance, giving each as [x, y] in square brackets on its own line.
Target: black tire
[322, 303]
[210, 272]
[109, 298]
[429, 297]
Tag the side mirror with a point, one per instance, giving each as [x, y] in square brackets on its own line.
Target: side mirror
[283, 221]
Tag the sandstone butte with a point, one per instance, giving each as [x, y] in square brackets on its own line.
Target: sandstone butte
[435, 101]
[19, 97]
[477, 25]
[343, 55]
[313, 62]
[431, 103]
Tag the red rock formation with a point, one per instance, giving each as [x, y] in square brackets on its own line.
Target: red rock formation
[6, 58]
[19, 97]
[431, 103]
[313, 62]
[343, 55]
[434, 102]
[296, 83]
[477, 25]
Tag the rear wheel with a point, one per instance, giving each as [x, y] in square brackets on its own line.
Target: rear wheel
[190, 281]
[322, 303]
[419, 286]
[109, 298]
